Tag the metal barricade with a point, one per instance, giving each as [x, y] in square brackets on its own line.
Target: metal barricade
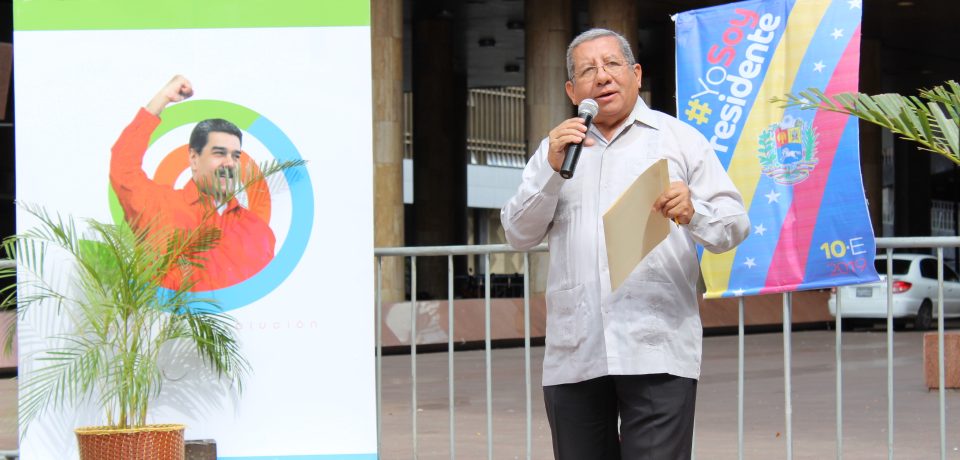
[887, 244]
[449, 252]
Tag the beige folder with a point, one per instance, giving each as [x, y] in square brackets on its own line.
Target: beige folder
[631, 227]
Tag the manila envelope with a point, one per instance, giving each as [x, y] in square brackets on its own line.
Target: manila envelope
[631, 227]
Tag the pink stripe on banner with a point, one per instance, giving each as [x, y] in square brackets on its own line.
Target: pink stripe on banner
[788, 266]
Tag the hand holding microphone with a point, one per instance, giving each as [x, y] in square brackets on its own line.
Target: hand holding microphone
[587, 109]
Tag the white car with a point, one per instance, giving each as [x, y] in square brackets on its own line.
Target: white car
[914, 293]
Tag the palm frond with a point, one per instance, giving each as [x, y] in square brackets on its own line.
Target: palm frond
[932, 120]
[269, 173]
[67, 376]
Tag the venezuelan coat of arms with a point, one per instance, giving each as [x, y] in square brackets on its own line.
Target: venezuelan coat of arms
[788, 151]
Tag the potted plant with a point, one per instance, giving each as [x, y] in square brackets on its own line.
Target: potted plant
[119, 320]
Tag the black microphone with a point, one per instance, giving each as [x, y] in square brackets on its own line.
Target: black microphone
[587, 110]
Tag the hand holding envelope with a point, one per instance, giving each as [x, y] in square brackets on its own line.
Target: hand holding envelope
[631, 227]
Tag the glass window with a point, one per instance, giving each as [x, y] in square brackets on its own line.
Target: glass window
[900, 266]
[928, 268]
[949, 274]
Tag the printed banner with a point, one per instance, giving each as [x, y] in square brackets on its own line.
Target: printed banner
[293, 262]
[798, 170]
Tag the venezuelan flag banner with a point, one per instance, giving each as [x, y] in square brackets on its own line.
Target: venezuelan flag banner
[798, 170]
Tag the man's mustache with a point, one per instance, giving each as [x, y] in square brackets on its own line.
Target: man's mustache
[226, 172]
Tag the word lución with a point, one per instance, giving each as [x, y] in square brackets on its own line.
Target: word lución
[276, 325]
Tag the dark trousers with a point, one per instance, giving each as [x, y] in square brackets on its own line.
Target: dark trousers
[655, 411]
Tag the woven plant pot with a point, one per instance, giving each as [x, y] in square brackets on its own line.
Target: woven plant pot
[150, 442]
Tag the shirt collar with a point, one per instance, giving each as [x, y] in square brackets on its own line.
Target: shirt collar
[193, 196]
[640, 113]
[643, 114]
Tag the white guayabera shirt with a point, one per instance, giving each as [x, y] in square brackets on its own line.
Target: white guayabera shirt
[651, 324]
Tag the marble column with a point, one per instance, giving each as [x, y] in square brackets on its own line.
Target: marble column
[617, 15]
[386, 39]
[548, 32]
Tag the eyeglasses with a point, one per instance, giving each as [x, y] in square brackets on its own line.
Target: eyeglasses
[612, 68]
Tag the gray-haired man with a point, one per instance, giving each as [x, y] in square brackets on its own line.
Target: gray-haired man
[633, 353]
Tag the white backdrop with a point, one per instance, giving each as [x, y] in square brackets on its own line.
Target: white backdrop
[309, 341]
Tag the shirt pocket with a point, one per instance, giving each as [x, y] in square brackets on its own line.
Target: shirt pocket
[565, 309]
[653, 313]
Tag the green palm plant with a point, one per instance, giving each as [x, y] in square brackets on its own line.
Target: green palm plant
[119, 321]
[931, 120]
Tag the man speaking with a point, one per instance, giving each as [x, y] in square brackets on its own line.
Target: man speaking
[633, 353]
[246, 242]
